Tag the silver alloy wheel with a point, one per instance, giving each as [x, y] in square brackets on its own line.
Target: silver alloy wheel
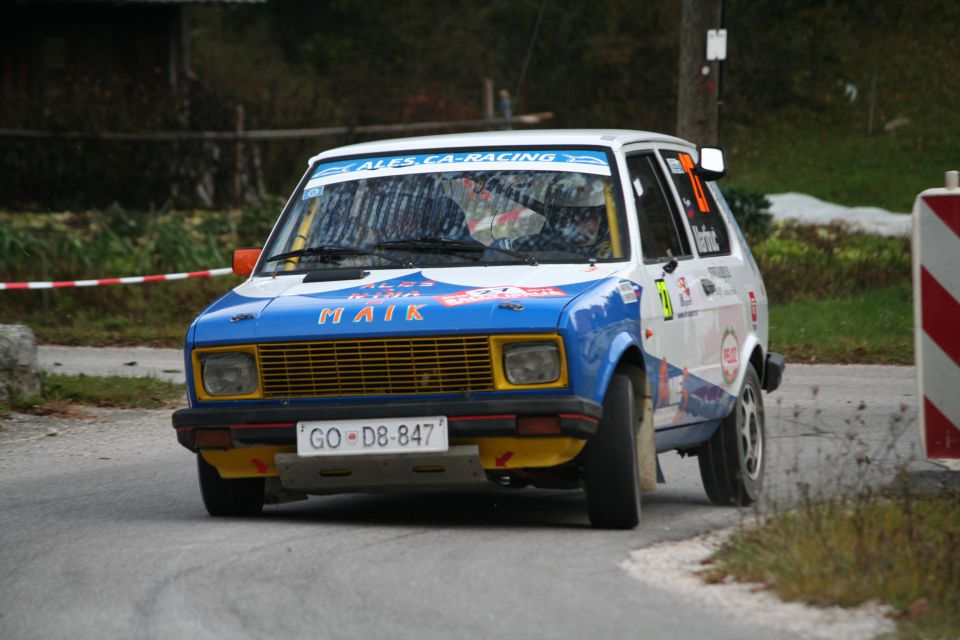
[751, 433]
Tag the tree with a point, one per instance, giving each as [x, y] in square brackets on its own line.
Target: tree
[696, 90]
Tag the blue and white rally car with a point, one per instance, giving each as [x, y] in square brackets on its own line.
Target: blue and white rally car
[547, 308]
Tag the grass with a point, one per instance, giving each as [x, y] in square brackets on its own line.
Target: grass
[838, 162]
[62, 391]
[873, 328]
[894, 548]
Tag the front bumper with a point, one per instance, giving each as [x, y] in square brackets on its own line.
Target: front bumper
[466, 417]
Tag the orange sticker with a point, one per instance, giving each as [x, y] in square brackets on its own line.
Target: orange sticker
[687, 162]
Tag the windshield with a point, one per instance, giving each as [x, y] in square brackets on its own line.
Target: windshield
[453, 209]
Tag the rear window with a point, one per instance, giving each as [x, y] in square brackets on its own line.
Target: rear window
[700, 208]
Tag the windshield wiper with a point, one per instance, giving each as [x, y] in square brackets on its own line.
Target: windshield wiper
[442, 244]
[335, 250]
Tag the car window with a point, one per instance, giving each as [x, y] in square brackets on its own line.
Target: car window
[706, 222]
[661, 232]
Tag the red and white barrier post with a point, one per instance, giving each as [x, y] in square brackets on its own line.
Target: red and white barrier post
[936, 304]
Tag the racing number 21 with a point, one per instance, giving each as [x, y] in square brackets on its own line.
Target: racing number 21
[665, 300]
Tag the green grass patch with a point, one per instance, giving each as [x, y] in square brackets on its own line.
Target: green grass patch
[897, 549]
[107, 391]
[873, 328]
[838, 162]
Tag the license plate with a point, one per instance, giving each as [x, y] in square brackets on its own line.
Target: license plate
[382, 435]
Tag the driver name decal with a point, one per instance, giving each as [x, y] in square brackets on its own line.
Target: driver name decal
[374, 313]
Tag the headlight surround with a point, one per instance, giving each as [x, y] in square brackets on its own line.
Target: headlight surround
[229, 373]
[532, 363]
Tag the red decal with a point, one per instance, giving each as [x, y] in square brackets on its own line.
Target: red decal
[260, 465]
[501, 461]
[940, 313]
[943, 437]
[753, 306]
[499, 416]
[663, 386]
[947, 209]
[649, 334]
[470, 296]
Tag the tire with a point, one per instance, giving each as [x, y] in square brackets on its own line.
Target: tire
[238, 497]
[732, 461]
[611, 476]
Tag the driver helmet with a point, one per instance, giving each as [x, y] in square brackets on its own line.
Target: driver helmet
[578, 204]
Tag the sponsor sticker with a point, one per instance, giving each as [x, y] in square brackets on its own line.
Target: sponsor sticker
[719, 272]
[582, 160]
[730, 355]
[686, 297]
[627, 294]
[665, 300]
[471, 296]
[675, 166]
[753, 306]
[313, 192]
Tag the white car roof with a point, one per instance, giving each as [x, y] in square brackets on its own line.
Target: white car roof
[613, 138]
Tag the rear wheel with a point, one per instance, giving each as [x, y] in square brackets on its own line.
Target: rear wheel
[611, 476]
[732, 461]
[237, 497]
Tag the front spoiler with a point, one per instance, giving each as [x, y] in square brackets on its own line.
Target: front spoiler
[466, 417]
[458, 467]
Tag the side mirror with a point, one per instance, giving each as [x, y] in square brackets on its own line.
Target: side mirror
[712, 165]
[244, 260]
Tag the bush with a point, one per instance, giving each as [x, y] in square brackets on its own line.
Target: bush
[751, 210]
[813, 263]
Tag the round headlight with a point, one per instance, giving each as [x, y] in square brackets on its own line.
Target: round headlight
[531, 362]
[229, 373]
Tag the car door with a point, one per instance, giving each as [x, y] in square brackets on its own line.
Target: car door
[723, 276]
[670, 311]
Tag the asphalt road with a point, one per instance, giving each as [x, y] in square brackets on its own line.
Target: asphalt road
[103, 534]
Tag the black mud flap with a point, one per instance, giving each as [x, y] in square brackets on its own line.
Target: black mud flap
[773, 371]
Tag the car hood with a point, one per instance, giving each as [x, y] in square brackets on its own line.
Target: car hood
[398, 302]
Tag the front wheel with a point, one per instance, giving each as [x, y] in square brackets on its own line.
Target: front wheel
[732, 460]
[237, 497]
[611, 475]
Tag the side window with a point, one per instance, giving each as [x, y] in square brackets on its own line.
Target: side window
[706, 221]
[661, 231]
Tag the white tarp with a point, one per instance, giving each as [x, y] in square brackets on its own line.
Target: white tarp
[806, 209]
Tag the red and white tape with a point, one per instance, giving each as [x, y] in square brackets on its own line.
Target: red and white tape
[936, 287]
[127, 280]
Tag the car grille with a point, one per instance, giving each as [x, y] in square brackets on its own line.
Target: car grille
[394, 366]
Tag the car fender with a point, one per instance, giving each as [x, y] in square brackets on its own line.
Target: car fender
[752, 342]
[618, 347]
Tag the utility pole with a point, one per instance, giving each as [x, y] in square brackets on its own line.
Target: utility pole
[698, 79]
